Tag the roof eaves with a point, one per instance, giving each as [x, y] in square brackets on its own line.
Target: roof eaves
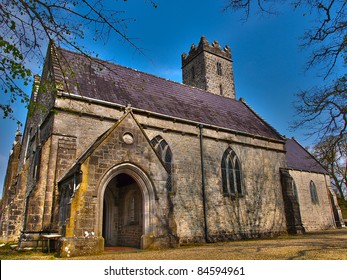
[307, 170]
[139, 110]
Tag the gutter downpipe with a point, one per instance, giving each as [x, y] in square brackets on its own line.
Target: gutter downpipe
[207, 239]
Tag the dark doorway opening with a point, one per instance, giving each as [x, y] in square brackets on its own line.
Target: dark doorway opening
[122, 213]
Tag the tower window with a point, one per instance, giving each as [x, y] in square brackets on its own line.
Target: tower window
[220, 89]
[219, 69]
[193, 73]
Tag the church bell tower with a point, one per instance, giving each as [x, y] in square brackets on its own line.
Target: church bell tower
[209, 67]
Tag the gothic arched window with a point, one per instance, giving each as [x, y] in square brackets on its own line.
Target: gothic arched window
[164, 153]
[231, 173]
[313, 192]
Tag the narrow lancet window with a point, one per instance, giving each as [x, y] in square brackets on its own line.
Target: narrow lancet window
[193, 73]
[313, 192]
[219, 69]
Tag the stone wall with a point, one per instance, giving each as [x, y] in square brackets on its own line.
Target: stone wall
[176, 216]
[12, 198]
[187, 213]
[291, 204]
[108, 152]
[194, 73]
[37, 161]
[260, 212]
[74, 246]
[129, 229]
[219, 84]
[315, 216]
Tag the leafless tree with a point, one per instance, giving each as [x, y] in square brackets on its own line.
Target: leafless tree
[26, 27]
[333, 155]
[327, 38]
[322, 111]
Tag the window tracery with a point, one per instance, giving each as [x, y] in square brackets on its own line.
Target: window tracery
[163, 151]
[231, 174]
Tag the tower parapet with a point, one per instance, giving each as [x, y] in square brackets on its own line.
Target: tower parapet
[215, 48]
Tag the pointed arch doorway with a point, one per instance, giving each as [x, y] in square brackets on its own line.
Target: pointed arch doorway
[122, 213]
[126, 199]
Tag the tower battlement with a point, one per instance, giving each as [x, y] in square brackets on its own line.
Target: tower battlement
[214, 48]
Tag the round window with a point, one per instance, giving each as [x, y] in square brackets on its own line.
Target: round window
[128, 138]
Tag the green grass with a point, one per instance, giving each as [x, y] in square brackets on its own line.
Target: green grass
[7, 253]
[320, 245]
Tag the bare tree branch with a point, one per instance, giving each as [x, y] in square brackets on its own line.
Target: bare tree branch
[321, 111]
[26, 26]
[262, 6]
[332, 153]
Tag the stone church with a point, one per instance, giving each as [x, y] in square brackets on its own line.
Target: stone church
[118, 157]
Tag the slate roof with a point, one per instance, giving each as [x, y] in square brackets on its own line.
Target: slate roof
[110, 82]
[299, 158]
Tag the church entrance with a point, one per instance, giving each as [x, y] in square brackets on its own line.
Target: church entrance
[122, 221]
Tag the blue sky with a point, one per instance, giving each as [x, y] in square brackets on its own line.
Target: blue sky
[269, 65]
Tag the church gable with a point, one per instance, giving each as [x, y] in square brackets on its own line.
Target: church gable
[125, 141]
[122, 177]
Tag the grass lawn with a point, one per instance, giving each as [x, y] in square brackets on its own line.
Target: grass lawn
[323, 245]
